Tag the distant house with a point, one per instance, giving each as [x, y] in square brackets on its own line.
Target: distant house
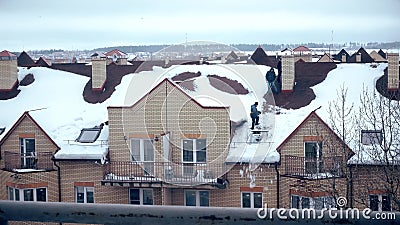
[43, 62]
[8, 71]
[117, 56]
[325, 58]
[303, 53]
[377, 57]
[361, 56]
[342, 56]
[25, 60]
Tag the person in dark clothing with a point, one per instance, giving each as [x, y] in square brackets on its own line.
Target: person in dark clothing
[254, 114]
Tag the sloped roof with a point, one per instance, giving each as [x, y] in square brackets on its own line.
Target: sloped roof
[7, 54]
[42, 62]
[115, 52]
[338, 56]
[233, 55]
[312, 114]
[25, 60]
[376, 57]
[382, 53]
[301, 49]
[365, 57]
[325, 58]
[261, 58]
[16, 124]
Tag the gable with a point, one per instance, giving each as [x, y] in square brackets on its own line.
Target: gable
[325, 58]
[312, 128]
[27, 126]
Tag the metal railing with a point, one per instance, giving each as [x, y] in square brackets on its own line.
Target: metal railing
[30, 161]
[314, 168]
[152, 172]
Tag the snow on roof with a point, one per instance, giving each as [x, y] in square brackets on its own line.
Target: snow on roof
[55, 101]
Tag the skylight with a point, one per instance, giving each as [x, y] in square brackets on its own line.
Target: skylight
[89, 135]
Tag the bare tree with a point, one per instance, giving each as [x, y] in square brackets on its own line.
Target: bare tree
[379, 158]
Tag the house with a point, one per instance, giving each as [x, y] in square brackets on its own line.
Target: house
[325, 58]
[116, 56]
[361, 56]
[377, 57]
[303, 53]
[313, 160]
[185, 144]
[342, 56]
[28, 173]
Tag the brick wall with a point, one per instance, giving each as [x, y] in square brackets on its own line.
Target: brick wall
[8, 74]
[288, 73]
[98, 73]
[393, 71]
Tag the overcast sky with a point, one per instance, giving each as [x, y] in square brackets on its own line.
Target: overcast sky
[88, 24]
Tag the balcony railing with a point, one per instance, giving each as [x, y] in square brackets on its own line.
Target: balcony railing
[31, 161]
[313, 168]
[167, 172]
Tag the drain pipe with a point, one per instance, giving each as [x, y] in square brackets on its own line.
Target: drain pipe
[277, 184]
[58, 179]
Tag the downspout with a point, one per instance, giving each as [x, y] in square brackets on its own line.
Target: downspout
[351, 186]
[58, 179]
[277, 184]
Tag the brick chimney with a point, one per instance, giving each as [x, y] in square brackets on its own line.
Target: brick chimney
[358, 57]
[393, 71]
[287, 73]
[99, 71]
[344, 57]
[8, 71]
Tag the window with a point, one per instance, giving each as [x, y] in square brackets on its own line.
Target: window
[28, 153]
[194, 150]
[89, 135]
[197, 198]
[139, 196]
[371, 137]
[142, 150]
[302, 202]
[28, 194]
[380, 203]
[251, 200]
[313, 157]
[84, 194]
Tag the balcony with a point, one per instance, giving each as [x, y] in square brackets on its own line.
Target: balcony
[312, 168]
[38, 161]
[153, 173]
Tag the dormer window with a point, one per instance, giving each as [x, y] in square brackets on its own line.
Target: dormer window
[89, 135]
[371, 137]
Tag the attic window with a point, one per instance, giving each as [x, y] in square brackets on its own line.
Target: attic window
[89, 135]
[2, 129]
[370, 137]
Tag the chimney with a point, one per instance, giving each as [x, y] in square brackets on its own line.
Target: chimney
[358, 57]
[287, 73]
[344, 57]
[99, 72]
[8, 71]
[393, 71]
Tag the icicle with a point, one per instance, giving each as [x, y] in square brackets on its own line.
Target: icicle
[241, 173]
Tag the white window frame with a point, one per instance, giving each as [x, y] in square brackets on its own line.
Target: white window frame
[379, 201]
[194, 150]
[24, 154]
[85, 191]
[141, 149]
[21, 194]
[318, 159]
[141, 195]
[197, 197]
[251, 198]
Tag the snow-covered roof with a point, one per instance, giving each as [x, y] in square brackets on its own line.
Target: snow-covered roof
[55, 102]
[56, 98]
